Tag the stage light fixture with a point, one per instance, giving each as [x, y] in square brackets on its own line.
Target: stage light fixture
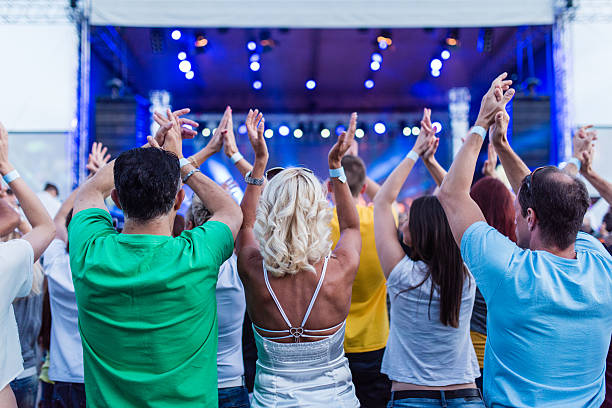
[283, 130]
[437, 126]
[359, 133]
[298, 133]
[251, 46]
[374, 65]
[206, 132]
[254, 58]
[407, 131]
[201, 40]
[182, 55]
[383, 45]
[268, 133]
[339, 129]
[185, 66]
[435, 64]
[445, 54]
[176, 35]
[369, 84]
[242, 129]
[416, 130]
[380, 128]
[376, 57]
[435, 74]
[325, 133]
[189, 74]
[257, 84]
[311, 84]
[452, 38]
[254, 66]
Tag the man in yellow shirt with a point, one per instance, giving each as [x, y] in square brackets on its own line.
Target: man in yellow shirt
[367, 325]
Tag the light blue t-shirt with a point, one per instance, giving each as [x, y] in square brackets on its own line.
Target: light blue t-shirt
[549, 320]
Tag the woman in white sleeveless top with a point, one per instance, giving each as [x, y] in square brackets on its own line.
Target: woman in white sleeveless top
[298, 291]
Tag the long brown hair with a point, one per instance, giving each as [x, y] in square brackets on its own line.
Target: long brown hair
[434, 245]
[497, 205]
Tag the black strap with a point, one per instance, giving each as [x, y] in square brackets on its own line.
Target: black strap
[435, 394]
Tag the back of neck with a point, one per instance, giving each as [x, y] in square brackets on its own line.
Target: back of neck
[156, 226]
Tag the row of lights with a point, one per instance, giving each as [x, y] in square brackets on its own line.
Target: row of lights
[325, 132]
[185, 64]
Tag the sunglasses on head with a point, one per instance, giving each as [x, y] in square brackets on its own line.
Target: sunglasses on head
[529, 180]
[275, 170]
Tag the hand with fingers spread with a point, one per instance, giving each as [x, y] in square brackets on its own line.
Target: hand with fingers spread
[173, 139]
[489, 166]
[343, 144]
[427, 134]
[165, 124]
[97, 158]
[255, 124]
[495, 100]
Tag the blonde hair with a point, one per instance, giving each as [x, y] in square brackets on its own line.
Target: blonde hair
[293, 223]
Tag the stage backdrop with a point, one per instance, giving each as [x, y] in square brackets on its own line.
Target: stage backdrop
[321, 13]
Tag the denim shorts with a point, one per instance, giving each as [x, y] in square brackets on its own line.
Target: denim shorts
[467, 402]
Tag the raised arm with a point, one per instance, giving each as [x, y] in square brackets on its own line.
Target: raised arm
[454, 194]
[348, 247]
[9, 218]
[43, 229]
[255, 124]
[230, 148]
[583, 141]
[603, 186]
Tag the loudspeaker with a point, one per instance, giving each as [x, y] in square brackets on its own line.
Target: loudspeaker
[532, 133]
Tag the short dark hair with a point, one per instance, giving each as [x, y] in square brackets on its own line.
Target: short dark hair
[147, 181]
[51, 186]
[559, 202]
[355, 171]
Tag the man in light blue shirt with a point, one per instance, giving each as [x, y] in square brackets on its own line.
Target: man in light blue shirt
[549, 299]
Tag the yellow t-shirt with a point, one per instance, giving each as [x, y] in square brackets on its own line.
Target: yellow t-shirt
[367, 325]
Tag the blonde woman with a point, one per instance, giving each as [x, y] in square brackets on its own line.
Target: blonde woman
[298, 291]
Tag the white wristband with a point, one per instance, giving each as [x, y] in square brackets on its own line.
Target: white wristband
[236, 157]
[11, 176]
[479, 130]
[412, 155]
[183, 162]
[575, 162]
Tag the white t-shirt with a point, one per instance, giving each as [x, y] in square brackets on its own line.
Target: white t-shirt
[231, 305]
[16, 262]
[66, 353]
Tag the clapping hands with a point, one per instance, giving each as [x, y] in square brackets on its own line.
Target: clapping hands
[427, 142]
[495, 100]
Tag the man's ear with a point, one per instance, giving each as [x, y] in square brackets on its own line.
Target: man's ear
[115, 198]
[180, 196]
[532, 219]
[189, 225]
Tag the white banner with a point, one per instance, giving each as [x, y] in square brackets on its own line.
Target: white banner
[321, 13]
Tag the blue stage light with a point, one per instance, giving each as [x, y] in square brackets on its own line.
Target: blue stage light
[176, 35]
[251, 45]
[445, 54]
[185, 66]
[340, 129]
[189, 74]
[380, 128]
[369, 84]
[254, 58]
[283, 130]
[298, 133]
[257, 84]
[268, 133]
[435, 64]
[254, 66]
[359, 133]
[325, 133]
[382, 45]
[242, 129]
[182, 55]
[437, 126]
[435, 74]
[377, 57]
[311, 84]
[374, 65]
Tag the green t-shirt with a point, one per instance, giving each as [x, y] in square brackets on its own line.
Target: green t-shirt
[147, 312]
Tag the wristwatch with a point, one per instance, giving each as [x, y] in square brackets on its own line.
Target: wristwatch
[254, 181]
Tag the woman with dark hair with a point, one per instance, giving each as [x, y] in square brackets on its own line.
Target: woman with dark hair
[497, 204]
[429, 355]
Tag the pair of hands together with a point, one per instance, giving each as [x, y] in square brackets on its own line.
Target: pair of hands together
[584, 147]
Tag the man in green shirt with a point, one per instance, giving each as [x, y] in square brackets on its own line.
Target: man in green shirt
[147, 309]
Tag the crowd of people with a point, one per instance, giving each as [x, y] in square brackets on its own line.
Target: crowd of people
[482, 294]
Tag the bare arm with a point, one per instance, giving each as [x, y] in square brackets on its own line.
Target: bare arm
[43, 229]
[230, 147]
[255, 124]
[9, 218]
[390, 252]
[454, 194]
[348, 247]
[372, 188]
[603, 186]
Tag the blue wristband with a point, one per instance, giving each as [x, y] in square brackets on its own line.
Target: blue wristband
[11, 176]
[575, 162]
[339, 173]
[479, 130]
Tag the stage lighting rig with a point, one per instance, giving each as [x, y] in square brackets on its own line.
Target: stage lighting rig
[452, 38]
